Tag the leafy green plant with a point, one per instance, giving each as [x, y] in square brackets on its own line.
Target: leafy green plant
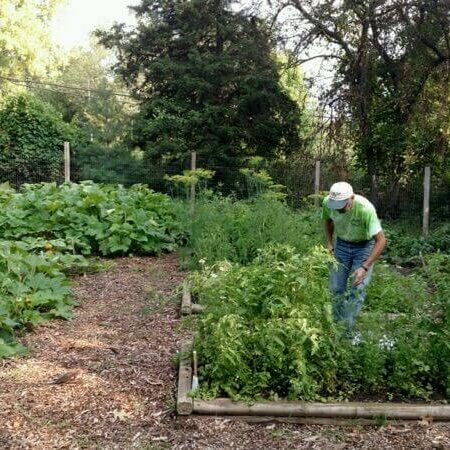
[259, 182]
[190, 179]
[45, 226]
[268, 329]
[403, 334]
[91, 218]
[391, 292]
[436, 270]
[223, 228]
[33, 289]
[31, 140]
[406, 247]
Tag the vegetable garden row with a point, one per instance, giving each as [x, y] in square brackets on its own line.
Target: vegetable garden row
[260, 272]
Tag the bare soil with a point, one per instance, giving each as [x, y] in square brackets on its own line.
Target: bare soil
[107, 379]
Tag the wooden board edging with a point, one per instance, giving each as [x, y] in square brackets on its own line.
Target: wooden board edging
[186, 301]
[350, 410]
[343, 413]
[187, 306]
[185, 403]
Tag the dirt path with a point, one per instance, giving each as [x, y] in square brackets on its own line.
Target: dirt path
[117, 354]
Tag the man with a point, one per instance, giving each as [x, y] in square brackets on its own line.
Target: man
[359, 242]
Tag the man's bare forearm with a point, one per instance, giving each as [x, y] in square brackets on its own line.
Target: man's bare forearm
[380, 243]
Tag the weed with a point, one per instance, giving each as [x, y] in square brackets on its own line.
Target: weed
[381, 420]
[333, 434]
[155, 302]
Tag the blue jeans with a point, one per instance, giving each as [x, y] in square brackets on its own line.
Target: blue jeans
[348, 303]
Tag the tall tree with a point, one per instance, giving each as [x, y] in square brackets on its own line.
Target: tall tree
[208, 80]
[88, 96]
[385, 52]
[26, 48]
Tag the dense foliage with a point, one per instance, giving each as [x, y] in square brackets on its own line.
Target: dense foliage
[33, 288]
[408, 247]
[267, 330]
[115, 165]
[31, 140]
[391, 64]
[268, 327]
[26, 47]
[208, 81]
[44, 226]
[235, 230]
[91, 218]
[84, 94]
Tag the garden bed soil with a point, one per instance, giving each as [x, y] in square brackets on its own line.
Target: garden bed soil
[107, 379]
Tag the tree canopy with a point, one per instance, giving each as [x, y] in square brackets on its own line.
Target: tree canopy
[386, 53]
[207, 79]
[87, 96]
[26, 48]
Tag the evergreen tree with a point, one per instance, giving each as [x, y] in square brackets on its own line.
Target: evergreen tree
[208, 80]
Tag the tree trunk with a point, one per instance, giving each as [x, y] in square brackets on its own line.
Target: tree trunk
[364, 95]
[372, 175]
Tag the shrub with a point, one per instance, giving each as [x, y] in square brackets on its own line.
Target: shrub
[101, 164]
[31, 140]
[407, 247]
[267, 330]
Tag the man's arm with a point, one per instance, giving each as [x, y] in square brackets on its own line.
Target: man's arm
[329, 230]
[380, 243]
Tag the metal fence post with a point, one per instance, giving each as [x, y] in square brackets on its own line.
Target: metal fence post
[66, 161]
[426, 200]
[317, 183]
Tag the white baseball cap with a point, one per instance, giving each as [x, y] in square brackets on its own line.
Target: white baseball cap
[339, 195]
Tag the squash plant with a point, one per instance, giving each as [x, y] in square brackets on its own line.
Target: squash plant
[33, 288]
[91, 218]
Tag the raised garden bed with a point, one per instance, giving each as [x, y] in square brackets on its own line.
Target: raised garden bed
[187, 305]
[339, 413]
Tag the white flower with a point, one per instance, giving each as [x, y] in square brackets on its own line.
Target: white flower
[202, 261]
[386, 343]
[214, 275]
[357, 338]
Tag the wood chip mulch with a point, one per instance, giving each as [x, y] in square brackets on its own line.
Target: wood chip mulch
[107, 380]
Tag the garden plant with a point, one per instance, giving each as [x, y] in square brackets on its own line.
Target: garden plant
[47, 230]
[267, 330]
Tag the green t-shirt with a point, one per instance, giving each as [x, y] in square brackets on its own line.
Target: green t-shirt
[360, 223]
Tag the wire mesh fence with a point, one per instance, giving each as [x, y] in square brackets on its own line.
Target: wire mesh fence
[298, 176]
[32, 172]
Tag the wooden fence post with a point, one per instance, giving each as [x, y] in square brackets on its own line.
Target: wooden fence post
[426, 200]
[193, 167]
[317, 183]
[66, 161]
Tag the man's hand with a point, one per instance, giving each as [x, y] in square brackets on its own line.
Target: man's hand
[358, 276]
[330, 248]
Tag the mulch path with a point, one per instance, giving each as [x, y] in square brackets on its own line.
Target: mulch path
[107, 378]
